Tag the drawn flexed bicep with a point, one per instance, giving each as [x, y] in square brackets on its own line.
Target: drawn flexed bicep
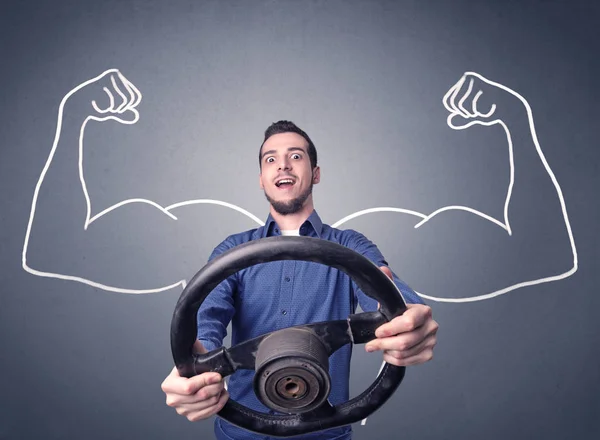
[133, 246]
[457, 253]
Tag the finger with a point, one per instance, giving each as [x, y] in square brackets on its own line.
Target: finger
[449, 93]
[199, 348]
[402, 342]
[412, 318]
[477, 112]
[406, 340]
[386, 270]
[176, 384]
[132, 97]
[421, 358]
[111, 104]
[187, 407]
[456, 104]
[203, 414]
[136, 92]
[124, 101]
[426, 344]
[206, 393]
[464, 98]
[462, 123]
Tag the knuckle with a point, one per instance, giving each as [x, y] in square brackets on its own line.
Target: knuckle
[188, 388]
[392, 360]
[402, 345]
[397, 354]
[194, 417]
[432, 341]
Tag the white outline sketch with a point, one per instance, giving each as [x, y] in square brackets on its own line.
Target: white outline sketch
[132, 97]
[457, 109]
[129, 104]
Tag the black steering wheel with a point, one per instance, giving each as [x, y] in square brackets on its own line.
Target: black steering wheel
[291, 365]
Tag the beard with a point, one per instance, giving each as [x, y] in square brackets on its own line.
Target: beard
[290, 206]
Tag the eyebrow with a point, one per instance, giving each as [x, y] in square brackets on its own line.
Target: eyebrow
[289, 149]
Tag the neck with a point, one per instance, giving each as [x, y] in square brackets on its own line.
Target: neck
[293, 221]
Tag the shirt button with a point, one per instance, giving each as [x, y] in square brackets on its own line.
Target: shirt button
[287, 279]
[284, 312]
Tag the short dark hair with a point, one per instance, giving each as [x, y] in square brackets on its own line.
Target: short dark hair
[289, 127]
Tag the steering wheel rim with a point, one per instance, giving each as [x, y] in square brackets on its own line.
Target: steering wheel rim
[369, 278]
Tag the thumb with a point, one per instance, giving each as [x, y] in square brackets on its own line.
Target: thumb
[202, 380]
[128, 116]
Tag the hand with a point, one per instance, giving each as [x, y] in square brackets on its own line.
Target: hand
[408, 339]
[109, 96]
[472, 100]
[198, 397]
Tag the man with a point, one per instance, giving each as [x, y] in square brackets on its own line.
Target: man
[281, 294]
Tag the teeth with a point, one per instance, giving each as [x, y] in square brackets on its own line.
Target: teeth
[284, 181]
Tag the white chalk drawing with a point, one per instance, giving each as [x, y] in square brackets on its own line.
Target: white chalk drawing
[456, 104]
[129, 103]
[458, 109]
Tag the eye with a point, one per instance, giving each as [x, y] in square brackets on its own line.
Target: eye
[296, 156]
[270, 159]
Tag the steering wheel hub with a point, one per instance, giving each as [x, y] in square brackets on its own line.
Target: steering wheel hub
[292, 371]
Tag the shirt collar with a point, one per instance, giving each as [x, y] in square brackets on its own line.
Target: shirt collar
[313, 221]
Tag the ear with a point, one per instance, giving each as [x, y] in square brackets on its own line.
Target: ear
[260, 183]
[317, 175]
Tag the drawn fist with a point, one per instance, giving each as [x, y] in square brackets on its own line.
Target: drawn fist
[109, 96]
[472, 100]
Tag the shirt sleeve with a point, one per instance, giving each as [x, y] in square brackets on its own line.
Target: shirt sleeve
[365, 247]
[216, 312]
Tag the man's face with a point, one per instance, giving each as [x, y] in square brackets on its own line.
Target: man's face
[286, 174]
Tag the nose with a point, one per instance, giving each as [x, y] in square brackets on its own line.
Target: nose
[284, 163]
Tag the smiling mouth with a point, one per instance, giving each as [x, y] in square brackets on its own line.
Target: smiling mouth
[284, 183]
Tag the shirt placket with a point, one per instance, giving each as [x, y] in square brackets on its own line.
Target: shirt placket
[286, 295]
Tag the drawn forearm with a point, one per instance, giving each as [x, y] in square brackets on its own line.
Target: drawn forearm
[534, 196]
[524, 166]
[59, 193]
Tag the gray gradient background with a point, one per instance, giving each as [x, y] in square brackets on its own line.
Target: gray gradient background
[365, 79]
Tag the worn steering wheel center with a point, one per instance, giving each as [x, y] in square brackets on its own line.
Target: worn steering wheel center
[292, 371]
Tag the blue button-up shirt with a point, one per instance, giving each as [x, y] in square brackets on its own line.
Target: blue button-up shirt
[279, 294]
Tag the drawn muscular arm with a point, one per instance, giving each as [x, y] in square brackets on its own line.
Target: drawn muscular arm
[458, 253]
[135, 246]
